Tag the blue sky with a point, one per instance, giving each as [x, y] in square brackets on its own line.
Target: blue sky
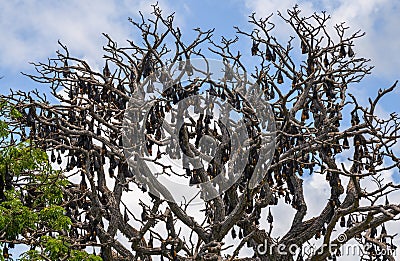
[30, 30]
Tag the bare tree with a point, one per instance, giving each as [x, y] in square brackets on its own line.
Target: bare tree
[307, 94]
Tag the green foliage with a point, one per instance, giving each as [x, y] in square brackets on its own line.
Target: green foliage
[3, 129]
[54, 218]
[14, 113]
[3, 124]
[56, 248]
[31, 167]
[15, 217]
[23, 157]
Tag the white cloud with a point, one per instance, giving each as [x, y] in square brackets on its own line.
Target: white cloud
[30, 29]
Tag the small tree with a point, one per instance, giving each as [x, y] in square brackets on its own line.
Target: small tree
[31, 198]
[307, 94]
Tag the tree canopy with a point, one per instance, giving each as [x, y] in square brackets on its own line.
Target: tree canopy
[318, 127]
[31, 198]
